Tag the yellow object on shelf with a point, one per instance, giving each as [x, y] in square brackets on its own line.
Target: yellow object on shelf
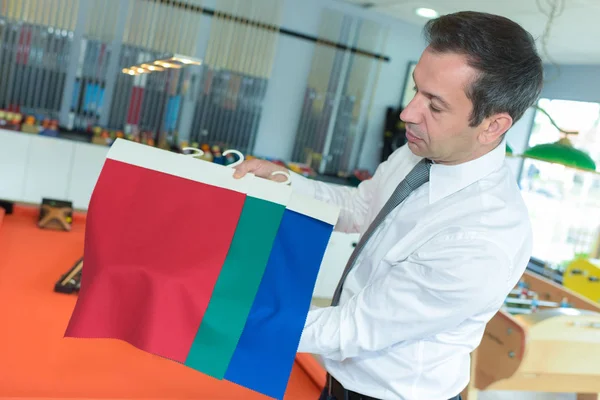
[30, 126]
[583, 276]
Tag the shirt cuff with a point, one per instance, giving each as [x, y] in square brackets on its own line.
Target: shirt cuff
[316, 338]
[303, 185]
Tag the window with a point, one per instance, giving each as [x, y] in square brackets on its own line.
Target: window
[564, 203]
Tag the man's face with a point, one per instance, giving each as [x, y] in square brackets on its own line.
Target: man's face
[437, 119]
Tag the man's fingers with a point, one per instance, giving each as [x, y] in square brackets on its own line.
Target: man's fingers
[245, 167]
[240, 170]
[260, 168]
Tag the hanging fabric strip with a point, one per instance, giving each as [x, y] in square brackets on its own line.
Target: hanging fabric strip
[266, 350]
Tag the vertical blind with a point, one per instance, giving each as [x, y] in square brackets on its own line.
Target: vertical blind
[219, 102]
[35, 42]
[234, 77]
[338, 95]
[65, 60]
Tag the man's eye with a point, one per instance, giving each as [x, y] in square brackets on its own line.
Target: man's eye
[435, 110]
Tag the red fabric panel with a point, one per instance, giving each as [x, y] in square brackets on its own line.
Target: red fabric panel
[154, 247]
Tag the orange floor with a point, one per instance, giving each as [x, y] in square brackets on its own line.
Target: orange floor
[37, 362]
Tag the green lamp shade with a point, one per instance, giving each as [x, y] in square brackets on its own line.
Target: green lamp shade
[561, 152]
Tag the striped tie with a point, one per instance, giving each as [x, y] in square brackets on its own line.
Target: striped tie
[415, 178]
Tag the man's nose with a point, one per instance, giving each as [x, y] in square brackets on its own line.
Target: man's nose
[411, 114]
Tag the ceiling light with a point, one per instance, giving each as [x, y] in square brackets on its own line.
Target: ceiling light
[129, 71]
[165, 64]
[173, 61]
[187, 60]
[152, 67]
[426, 12]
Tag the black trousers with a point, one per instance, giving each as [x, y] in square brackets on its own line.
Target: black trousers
[348, 395]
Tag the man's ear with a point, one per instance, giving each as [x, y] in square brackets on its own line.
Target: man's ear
[494, 127]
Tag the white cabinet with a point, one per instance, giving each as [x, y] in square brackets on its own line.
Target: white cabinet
[339, 249]
[34, 167]
[49, 163]
[14, 147]
[88, 160]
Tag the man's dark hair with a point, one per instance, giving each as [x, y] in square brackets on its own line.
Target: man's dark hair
[510, 75]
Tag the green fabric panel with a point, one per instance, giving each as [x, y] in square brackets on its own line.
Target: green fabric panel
[236, 287]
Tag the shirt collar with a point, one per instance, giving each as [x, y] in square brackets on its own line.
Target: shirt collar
[445, 180]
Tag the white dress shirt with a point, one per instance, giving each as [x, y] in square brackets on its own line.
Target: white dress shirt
[440, 266]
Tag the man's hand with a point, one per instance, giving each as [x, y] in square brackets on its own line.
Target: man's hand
[262, 169]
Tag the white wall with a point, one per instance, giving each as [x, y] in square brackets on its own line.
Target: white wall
[572, 82]
[285, 93]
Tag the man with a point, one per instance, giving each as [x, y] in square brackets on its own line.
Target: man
[427, 279]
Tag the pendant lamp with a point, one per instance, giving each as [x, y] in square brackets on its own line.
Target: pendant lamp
[562, 151]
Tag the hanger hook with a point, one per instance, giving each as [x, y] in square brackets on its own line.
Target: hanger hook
[288, 178]
[194, 151]
[240, 157]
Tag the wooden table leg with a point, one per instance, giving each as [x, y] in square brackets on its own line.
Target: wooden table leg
[471, 393]
[588, 396]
